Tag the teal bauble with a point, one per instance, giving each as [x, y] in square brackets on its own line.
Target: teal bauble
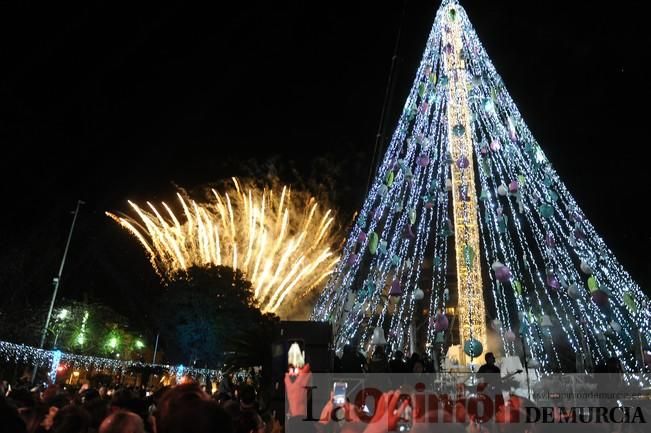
[473, 348]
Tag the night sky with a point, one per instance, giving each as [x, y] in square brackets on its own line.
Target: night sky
[104, 102]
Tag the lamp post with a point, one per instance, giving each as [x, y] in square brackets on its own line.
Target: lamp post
[526, 363]
[57, 281]
[153, 361]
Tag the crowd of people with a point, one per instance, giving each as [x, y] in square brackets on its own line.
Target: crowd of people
[353, 361]
[237, 406]
[184, 408]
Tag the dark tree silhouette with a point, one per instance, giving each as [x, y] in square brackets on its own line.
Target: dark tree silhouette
[208, 316]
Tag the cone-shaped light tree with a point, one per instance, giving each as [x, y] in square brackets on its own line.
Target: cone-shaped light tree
[465, 190]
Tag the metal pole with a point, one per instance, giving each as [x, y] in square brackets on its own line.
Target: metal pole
[57, 281]
[155, 349]
[388, 96]
[526, 366]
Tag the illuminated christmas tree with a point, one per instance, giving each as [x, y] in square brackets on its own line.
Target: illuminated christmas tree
[465, 191]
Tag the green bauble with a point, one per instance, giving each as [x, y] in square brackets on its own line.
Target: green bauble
[372, 243]
[473, 348]
[593, 284]
[546, 210]
[389, 180]
[629, 301]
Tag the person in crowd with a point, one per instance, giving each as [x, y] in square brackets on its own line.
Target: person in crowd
[379, 362]
[250, 422]
[175, 399]
[489, 366]
[489, 375]
[397, 363]
[71, 419]
[196, 416]
[225, 389]
[352, 361]
[248, 398]
[32, 417]
[415, 357]
[418, 367]
[10, 421]
[53, 405]
[122, 421]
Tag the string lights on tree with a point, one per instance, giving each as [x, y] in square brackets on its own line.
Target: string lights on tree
[464, 183]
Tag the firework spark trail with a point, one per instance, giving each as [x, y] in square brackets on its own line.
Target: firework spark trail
[284, 244]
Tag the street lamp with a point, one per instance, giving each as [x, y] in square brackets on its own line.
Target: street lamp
[56, 282]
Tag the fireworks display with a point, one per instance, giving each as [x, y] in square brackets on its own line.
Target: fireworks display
[282, 241]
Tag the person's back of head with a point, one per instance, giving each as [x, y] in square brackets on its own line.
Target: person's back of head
[233, 410]
[418, 367]
[247, 396]
[203, 416]
[249, 422]
[177, 398]
[71, 419]
[122, 421]
[97, 409]
[32, 417]
[122, 398]
[11, 422]
[22, 397]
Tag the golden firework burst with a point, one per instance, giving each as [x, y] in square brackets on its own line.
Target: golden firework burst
[282, 242]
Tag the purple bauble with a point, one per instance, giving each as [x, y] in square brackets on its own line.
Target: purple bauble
[578, 234]
[600, 298]
[361, 238]
[463, 162]
[549, 240]
[395, 290]
[423, 160]
[552, 282]
[352, 259]
[441, 323]
[503, 274]
[409, 233]
[513, 186]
